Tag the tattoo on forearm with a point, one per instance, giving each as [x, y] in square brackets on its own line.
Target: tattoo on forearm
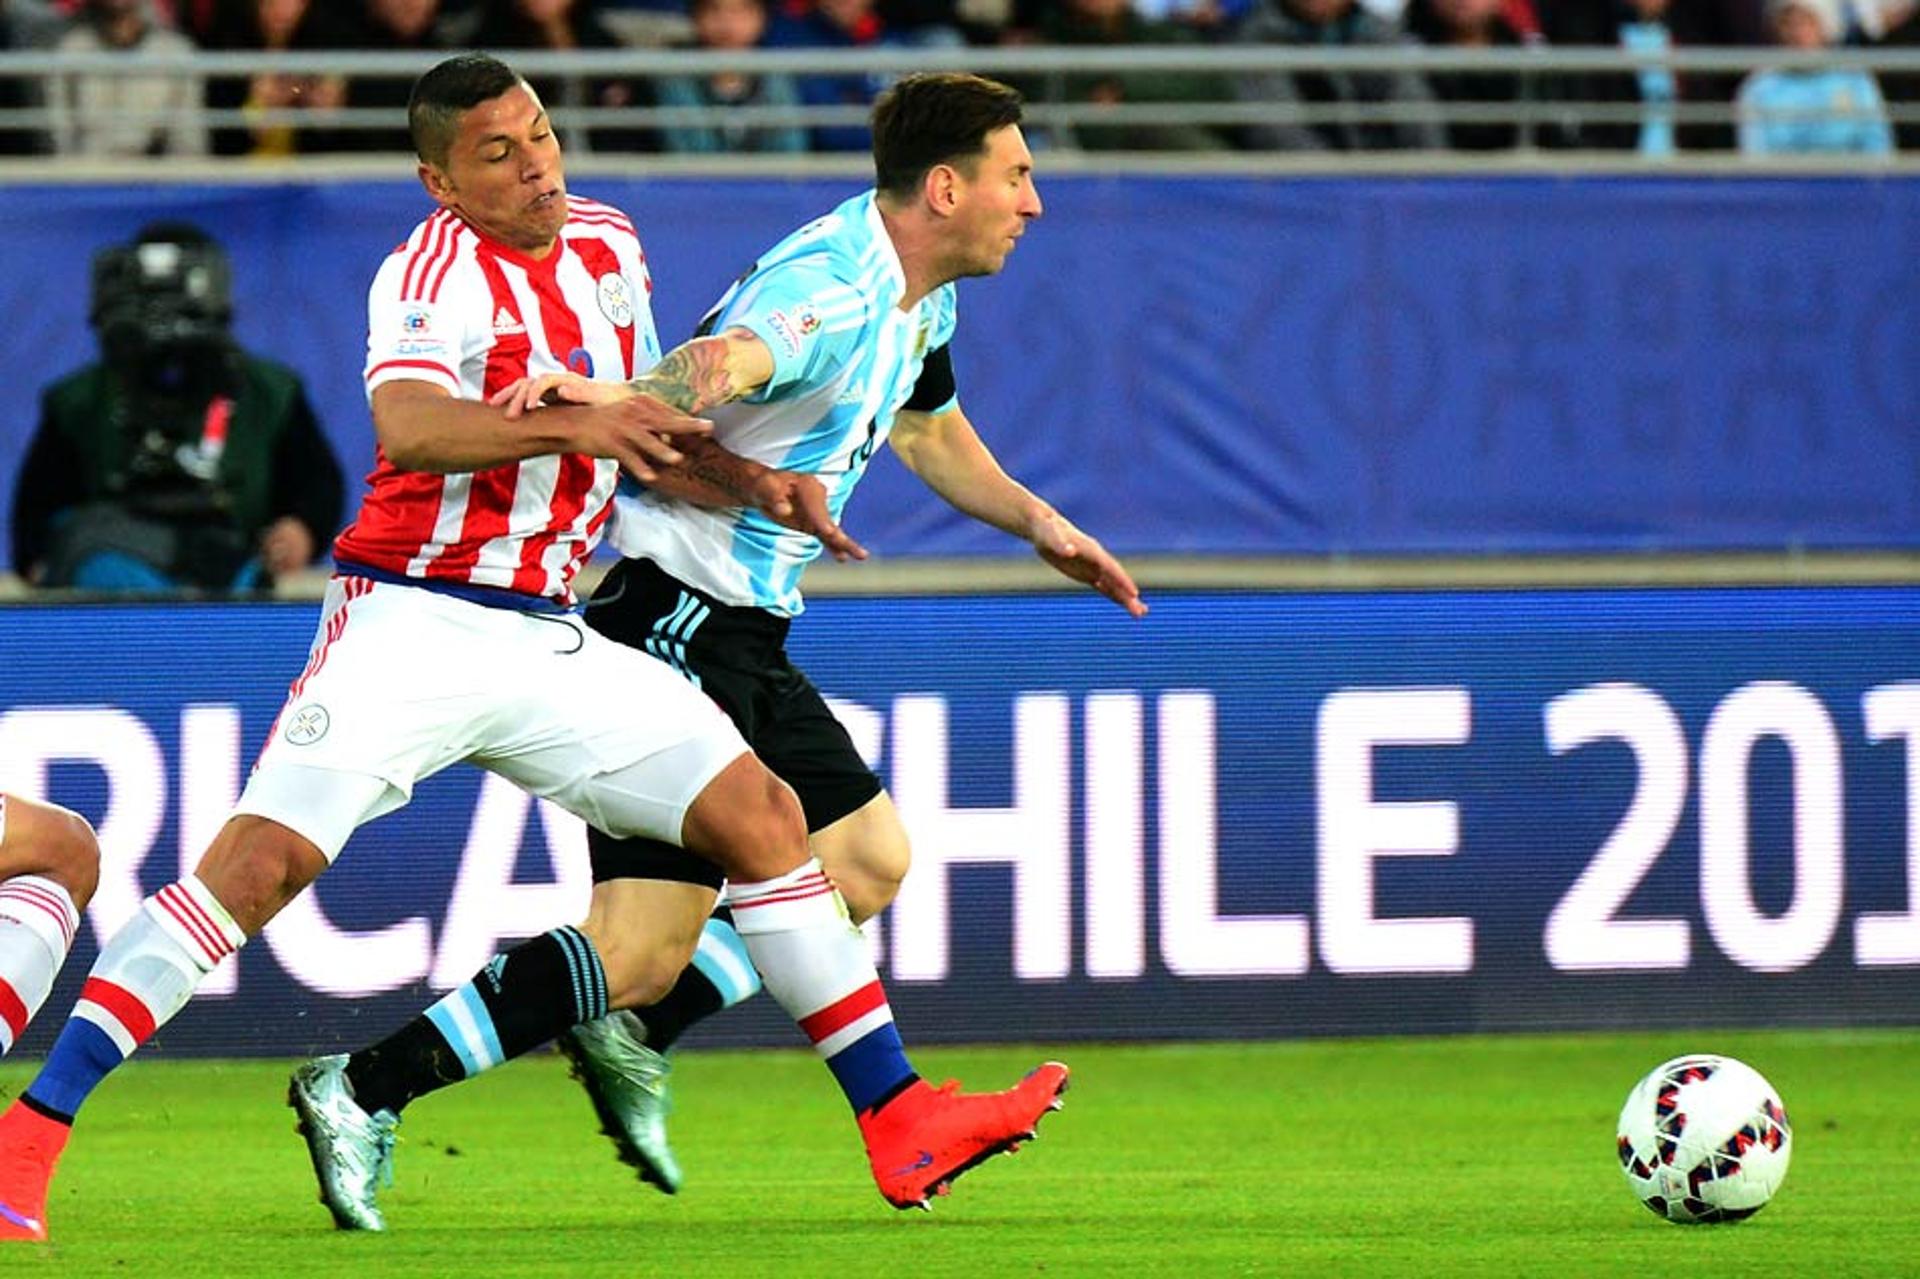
[723, 472]
[693, 377]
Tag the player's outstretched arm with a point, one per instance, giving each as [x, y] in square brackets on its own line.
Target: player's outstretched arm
[948, 455]
[692, 378]
[422, 427]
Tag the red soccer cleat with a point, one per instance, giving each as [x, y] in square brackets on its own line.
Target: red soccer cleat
[30, 1145]
[920, 1141]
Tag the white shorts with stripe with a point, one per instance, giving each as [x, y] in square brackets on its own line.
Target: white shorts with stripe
[401, 682]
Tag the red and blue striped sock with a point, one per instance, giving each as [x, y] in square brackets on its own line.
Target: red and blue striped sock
[37, 924]
[145, 975]
[815, 963]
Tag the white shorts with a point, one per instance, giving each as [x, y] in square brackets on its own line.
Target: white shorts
[402, 682]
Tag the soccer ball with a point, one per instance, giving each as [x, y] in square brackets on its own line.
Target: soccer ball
[1704, 1138]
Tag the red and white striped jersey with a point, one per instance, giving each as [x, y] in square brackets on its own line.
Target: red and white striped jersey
[453, 308]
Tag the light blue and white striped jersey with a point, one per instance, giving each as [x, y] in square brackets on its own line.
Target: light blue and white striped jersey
[846, 358]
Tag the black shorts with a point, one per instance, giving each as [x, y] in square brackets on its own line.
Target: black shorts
[738, 655]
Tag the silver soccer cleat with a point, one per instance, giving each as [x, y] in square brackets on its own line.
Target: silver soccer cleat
[627, 1082]
[352, 1151]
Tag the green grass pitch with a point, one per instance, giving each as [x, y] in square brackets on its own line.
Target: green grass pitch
[1430, 1157]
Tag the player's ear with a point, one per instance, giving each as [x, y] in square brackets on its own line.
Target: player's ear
[942, 189]
[435, 180]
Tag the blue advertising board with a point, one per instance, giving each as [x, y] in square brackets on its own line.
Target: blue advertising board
[1248, 815]
[1248, 365]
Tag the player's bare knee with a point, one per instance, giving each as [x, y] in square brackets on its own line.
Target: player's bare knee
[866, 892]
[256, 866]
[869, 875]
[748, 822]
[867, 855]
[54, 843]
[776, 840]
[73, 856]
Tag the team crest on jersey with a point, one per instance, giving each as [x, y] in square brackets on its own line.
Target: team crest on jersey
[308, 724]
[417, 320]
[616, 299]
[796, 327]
[580, 360]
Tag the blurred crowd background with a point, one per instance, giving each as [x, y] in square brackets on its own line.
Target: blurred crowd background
[1804, 107]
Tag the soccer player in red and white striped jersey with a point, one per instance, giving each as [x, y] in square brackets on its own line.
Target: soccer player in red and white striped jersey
[456, 309]
[447, 636]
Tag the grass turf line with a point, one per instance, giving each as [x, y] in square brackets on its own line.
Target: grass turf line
[1406, 1156]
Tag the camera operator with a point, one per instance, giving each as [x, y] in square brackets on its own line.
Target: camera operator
[179, 461]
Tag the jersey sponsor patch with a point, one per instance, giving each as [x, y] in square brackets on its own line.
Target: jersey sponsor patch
[580, 360]
[417, 320]
[794, 328]
[615, 299]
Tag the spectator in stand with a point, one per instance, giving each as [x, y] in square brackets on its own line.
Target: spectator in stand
[649, 23]
[1639, 27]
[1715, 23]
[389, 26]
[180, 15]
[1656, 27]
[1480, 24]
[269, 26]
[1333, 24]
[126, 113]
[1812, 110]
[846, 24]
[1109, 23]
[731, 25]
[1521, 15]
[25, 25]
[1903, 87]
[943, 23]
[562, 26]
[1211, 19]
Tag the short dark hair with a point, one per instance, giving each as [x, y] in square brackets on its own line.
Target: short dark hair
[936, 117]
[447, 92]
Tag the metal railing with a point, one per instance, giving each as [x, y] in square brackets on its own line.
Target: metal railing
[1553, 105]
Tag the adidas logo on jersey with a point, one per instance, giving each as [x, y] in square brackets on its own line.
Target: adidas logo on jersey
[504, 323]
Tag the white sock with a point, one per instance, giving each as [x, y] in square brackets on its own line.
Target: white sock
[798, 933]
[158, 959]
[816, 964]
[37, 924]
